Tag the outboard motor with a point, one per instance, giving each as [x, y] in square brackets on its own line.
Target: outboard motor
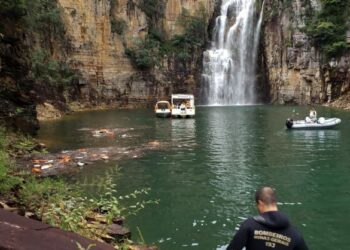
[289, 123]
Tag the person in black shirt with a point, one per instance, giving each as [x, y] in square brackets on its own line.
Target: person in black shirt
[269, 230]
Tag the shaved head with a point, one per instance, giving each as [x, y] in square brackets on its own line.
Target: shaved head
[266, 195]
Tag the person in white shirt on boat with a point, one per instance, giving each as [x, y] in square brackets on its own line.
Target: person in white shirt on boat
[182, 106]
[312, 116]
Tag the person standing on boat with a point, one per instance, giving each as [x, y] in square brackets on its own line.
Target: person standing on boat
[269, 230]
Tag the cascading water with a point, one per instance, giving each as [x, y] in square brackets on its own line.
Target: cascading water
[229, 66]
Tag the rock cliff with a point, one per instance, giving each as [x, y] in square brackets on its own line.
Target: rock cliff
[296, 71]
[101, 36]
[101, 31]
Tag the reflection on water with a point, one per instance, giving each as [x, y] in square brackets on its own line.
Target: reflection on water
[228, 146]
[312, 136]
[206, 175]
[183, 132]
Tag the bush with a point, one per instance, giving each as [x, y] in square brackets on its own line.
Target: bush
[60, 204]
[145, 53]
[193, 36]
[7, 180]
[13, 9]
[154, 10]
[118, 25]
[46, 70]
[149, 52]
[44, 17]
[327, 28]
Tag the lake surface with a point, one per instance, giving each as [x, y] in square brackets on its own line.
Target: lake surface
[206, 177]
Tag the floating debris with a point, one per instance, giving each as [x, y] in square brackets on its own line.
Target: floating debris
[68, 160]
[46, 166]
[80, 164]
[36, 170]
[104, 156]
[84, 129]
[154, 143]
[64, 159]
[103, 133]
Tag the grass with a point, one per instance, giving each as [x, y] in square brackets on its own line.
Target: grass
[60, 204]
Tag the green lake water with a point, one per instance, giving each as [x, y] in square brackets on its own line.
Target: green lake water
[206, 176]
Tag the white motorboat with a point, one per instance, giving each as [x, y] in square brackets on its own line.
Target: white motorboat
[162, 109]
[312, 122]
[182, 106]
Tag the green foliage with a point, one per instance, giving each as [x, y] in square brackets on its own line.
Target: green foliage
[118, 25]
[327, 28]
[154, 10]
[46, 70]
[41, 20]
[145, 53]
[13, 9]
[36, 194]
[69, 210]
[149, 52]
[193, 36]
[114, 4]
[42, 16]
[23, 144]
[61, 204]
[7, 180]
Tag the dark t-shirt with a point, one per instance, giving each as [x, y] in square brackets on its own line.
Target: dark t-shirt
[270, 230]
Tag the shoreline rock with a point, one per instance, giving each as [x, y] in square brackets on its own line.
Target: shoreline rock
[18, 232]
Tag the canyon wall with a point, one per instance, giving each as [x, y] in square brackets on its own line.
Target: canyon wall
[296, 71]
[107, 74]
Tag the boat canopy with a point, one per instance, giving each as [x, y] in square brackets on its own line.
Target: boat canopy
[163, 105]
[178, 99]
[182, 96]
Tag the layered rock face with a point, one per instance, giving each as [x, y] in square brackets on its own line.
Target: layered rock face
[296, 72]
[99, 53]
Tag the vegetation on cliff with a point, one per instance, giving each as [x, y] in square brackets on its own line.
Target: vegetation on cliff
[34, 61]
[156, 46]
[154, 10]
[328, 27]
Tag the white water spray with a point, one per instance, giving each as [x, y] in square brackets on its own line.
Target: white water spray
[229, 67]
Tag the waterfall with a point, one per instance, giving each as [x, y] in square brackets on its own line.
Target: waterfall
[229, 66]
